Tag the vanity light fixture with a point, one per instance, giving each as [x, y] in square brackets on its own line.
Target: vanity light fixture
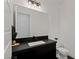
[34, 2]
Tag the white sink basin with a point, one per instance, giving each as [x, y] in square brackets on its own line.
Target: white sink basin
[36, 43]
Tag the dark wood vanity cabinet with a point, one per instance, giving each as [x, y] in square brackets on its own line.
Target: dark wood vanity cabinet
[47, 50]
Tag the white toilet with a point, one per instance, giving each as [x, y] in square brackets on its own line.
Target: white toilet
[61, 53]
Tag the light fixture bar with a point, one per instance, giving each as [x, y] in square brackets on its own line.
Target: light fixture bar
[34, 2]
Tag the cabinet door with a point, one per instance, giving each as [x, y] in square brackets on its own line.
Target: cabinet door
[46, 51]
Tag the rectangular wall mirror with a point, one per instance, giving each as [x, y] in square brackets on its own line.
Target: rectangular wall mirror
[30, 22]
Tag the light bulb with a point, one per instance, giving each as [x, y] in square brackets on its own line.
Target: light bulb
[29, 2]
[35, 5]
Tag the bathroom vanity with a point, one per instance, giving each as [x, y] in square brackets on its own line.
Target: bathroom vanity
[29, 48]
[27, 24]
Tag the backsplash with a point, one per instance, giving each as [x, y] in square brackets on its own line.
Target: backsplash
[31, 39]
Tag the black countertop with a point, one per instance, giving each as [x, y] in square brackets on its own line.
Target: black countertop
[25, 46]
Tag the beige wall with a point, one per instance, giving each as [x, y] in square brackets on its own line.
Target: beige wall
[67, 26]
[8, 18]
[62, 23]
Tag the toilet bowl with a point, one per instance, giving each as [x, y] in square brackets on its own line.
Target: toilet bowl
[62, 53]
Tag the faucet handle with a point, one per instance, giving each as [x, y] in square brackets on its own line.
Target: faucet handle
[56, 39]
[33, 37]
